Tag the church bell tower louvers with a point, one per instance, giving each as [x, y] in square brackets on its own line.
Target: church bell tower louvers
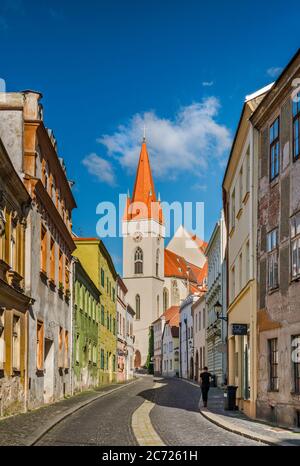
[143, 255]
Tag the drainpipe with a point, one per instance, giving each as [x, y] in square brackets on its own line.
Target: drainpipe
[72, 323]
[187, 348]
[180, 346]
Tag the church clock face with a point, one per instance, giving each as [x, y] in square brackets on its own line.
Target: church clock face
[137, 236]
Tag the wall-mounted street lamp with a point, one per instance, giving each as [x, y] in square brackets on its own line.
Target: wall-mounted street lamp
[218, 310]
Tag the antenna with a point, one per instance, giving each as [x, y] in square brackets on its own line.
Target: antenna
[144, 133]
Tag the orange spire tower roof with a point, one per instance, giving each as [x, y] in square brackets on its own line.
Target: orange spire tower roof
[143, 203]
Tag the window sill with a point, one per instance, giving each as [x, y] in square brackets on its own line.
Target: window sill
[44, 277]
[239, 214]
[274, 181]
[246, 197]
[273, 290]
[231, 231]
[273, 391]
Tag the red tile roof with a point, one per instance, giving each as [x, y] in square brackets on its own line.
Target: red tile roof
[177, 266]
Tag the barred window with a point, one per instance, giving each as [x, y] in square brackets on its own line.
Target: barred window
[274, 149]
[273, 365]
[272, 248]
[295, 245]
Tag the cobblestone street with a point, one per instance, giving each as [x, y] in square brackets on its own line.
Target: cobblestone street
[146, 412]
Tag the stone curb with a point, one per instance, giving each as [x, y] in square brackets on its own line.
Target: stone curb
[230, 427]
[39, 433]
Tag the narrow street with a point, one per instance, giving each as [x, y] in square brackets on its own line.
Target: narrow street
[164, 410]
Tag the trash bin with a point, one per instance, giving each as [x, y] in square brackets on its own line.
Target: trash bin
[230, 398]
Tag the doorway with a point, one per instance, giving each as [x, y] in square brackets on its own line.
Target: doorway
[49, 371]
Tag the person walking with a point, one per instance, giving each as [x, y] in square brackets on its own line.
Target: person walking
[205, 377]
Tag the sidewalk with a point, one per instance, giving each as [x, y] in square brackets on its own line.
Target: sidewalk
[26, 429]
[237, 422]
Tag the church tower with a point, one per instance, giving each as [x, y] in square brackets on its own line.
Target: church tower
[143, 255]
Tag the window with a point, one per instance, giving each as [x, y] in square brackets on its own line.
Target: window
[137, 307]
[114, 363]
[2, 341]
[60, 347]
[233, 209]
[166, 299]
[107, 285]
[295, 245]
[102, 359]
[66, 352]
[94, 354]
[102, 278]
[40, 346]
[241, 271]
[43, 249]
[52, 260]
[274, 149]
[247, 262]
[296, 127]
[272, 248]
[107, 360]
[102, 315]
[67, 275]
[273, 365]
[199, 322]
[157, 263]
[107, 320]
[170, 364]
[296, 363]
[241, 188]
[90, 351]
[16, 348]
[248, 171]
[232, 283]
[77, 347]
[60, 267]
[114, 294]
[138, 261]
[203, 319]
[114, 326]
[157, 305]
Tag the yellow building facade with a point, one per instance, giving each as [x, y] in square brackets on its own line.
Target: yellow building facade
[97, 262]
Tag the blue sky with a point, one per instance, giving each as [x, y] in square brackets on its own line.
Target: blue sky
[183, 67]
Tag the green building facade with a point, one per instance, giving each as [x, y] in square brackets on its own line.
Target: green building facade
[97, 261]
[86, 325]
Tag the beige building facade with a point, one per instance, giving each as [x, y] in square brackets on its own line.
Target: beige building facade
[240, 205]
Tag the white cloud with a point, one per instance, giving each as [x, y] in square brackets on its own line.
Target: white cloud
[102, 169]
[186, 143]
[274, 71]
[207, 83]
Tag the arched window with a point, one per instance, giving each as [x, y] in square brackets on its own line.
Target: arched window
[157, 263]
[166, 299]
[157, 305]
[138, 261]
[137, 307]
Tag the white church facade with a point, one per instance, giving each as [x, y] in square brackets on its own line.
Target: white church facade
[156, 278]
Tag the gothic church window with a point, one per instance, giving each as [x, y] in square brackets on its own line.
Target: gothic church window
[138, 261]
